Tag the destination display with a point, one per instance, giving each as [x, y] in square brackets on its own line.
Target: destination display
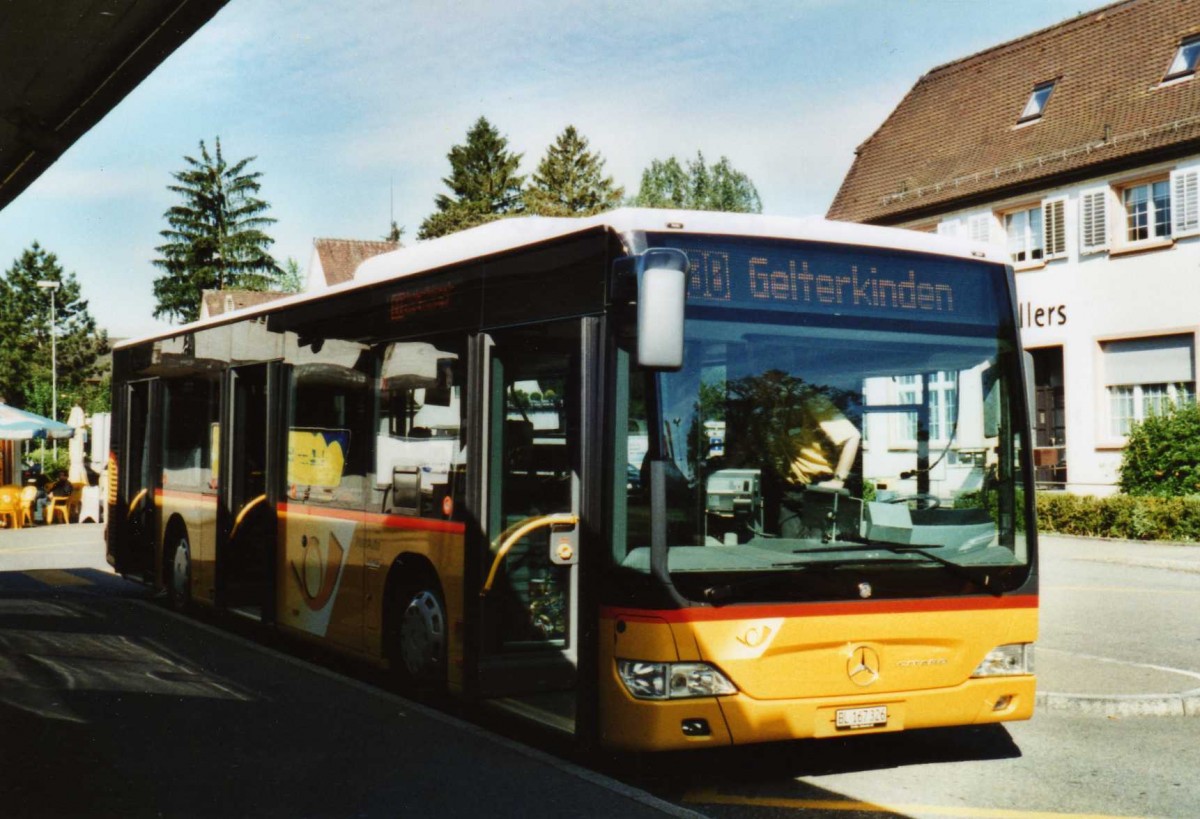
[837, 280]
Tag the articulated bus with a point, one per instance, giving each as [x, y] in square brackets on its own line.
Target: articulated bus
[658, 479]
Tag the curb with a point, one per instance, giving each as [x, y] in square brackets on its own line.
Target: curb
[1184, 704]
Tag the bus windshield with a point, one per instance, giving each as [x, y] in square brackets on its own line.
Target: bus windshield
[789, 447]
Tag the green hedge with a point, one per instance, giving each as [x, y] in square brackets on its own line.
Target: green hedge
[1124, 517]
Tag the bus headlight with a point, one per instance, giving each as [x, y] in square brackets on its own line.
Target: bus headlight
[668, 681]
[1003, 661]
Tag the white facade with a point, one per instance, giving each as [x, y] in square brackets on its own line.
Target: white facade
[1108, 284]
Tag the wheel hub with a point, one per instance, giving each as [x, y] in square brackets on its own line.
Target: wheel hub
[180, 571]
[422, 634]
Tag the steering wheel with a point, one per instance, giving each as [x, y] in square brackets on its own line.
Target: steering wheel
[923, 500]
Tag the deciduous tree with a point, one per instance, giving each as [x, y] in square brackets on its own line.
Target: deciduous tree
[666, 184]
[25, 338]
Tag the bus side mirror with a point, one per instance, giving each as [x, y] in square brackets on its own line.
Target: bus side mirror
[662, 291]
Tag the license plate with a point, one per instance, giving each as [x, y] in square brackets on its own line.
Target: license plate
[861, 717]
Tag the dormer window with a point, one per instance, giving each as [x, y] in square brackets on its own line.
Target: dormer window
[1037, 102]
[1184, 64]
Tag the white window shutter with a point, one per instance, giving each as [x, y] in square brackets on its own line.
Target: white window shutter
[979, 227]
[948, 227]
[1093, 221]
[1185, 202]
[1054, 224]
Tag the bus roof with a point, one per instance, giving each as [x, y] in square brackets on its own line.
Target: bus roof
[510, 234]
[504, 235]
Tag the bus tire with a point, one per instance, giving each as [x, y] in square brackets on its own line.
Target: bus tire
[417, 654]
[179, 573]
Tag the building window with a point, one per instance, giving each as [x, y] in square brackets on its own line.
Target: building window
[1184, 64]
[1144, 377]
[908, 391]
[1147, 211]
[943, 405]
[1037, 102]
[1025, 236]
[1131, 403]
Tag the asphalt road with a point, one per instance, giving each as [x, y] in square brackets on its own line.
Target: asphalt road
[110, 706]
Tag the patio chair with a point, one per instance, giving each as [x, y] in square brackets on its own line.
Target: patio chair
[28, 501]
[10, 506]
[58, 506]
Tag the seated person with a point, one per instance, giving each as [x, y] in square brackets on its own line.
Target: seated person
[62, 487]
[821, 445]
[824, 444]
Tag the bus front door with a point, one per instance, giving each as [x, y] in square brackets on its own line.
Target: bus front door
[533, 424]
[139, 476]
[246, 553]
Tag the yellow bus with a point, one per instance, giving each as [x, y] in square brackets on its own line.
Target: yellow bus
[657, 479]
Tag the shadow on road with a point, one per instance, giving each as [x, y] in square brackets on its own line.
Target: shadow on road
[773, 772]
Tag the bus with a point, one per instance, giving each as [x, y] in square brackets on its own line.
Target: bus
[557, 466]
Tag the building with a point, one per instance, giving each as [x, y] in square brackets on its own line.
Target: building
[1078, 147]
[217, 302]
[334, 261]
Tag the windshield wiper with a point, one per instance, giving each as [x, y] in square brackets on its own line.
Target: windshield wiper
[979, 578]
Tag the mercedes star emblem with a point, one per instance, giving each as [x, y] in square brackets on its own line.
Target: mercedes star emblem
[863, 667]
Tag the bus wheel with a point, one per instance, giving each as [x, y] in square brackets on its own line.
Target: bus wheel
[179, 590]
[419, 652]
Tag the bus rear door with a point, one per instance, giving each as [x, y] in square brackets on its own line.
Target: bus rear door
[250, 461]
[139, 476]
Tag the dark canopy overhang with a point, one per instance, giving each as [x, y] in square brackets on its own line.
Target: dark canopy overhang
[65, 65]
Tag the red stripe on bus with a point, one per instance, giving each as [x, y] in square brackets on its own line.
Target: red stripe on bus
[405, 522]
[703, 614]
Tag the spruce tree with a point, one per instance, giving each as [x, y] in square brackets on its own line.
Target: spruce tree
[483, 183]
[570, 180]
[216, 238]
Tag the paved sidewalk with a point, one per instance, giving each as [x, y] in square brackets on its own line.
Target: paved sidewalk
[69, 546]
[1118, 630]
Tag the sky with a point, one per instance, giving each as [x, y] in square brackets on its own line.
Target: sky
[350, 109]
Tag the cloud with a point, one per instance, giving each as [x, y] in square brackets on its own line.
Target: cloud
[81, 184]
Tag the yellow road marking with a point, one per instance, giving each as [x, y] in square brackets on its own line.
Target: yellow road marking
[57, 577]
[713, 798]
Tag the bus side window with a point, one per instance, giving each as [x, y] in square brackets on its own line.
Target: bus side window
[419, 452]
[328, 433]
[191, 408]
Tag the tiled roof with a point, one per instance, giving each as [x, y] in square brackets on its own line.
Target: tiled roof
[216, 302]
[340, 257]
[954, 140]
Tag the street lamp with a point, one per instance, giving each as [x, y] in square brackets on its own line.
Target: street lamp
[52, 286]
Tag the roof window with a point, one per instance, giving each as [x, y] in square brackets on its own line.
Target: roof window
[1184, 64]
[1037, 102]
